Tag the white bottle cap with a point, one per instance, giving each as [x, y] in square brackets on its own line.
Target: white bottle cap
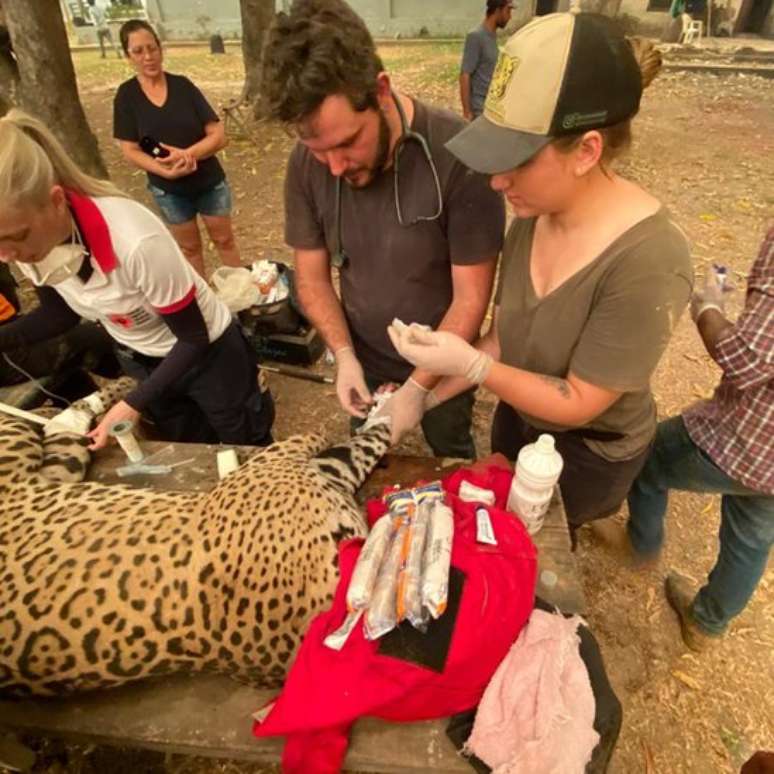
[545, 443]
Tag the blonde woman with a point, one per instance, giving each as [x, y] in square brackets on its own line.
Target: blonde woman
[167, 128]
[93, 253]
[594, 274]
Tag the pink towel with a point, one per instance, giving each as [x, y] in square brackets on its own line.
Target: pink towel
[537, 713]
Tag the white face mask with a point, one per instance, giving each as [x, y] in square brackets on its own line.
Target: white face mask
[61, 263]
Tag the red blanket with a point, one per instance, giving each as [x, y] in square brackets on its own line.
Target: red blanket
[326, 690]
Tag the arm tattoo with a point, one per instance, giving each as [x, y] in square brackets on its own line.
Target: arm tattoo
[560, 384]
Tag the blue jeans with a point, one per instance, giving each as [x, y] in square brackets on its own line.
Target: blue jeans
[746, 528]
[177, 209]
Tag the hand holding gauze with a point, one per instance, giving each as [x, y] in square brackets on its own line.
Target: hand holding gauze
[439, 352]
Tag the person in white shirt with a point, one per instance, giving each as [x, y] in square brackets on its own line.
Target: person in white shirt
[93, 253]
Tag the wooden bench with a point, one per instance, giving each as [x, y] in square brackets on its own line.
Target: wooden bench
[211, 715]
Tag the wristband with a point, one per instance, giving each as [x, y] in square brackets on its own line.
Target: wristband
[347, 348]
[709, 305]
[418, 385]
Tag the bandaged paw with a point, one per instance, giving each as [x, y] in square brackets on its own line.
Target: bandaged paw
[377, 414]
[95, 403]
[74, 421]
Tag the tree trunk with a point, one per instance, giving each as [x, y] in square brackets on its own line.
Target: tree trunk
[47, 87]
[257, 15]
[9, 72]
[9, 78]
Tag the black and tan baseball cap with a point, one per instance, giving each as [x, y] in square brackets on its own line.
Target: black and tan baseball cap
[560, 74]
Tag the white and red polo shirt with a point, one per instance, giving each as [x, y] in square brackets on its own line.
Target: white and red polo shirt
[139, 274]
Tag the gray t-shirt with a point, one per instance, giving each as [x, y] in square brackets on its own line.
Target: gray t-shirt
[609, 323]
[478, 60]
[393, 270]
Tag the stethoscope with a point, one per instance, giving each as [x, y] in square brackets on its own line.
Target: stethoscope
[339, 258]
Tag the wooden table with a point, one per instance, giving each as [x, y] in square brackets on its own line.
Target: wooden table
[210, 714]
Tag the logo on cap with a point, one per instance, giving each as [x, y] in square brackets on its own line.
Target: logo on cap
[578, 120]
[504, 69]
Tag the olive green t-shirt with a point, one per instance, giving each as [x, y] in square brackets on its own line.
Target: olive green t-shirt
[608, 324]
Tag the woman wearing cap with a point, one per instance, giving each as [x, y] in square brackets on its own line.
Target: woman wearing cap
[594, 274]
[91, 252]
[158, 110]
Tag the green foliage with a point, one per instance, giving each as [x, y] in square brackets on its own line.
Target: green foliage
[121, 12]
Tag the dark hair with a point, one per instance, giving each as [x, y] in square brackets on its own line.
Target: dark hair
[495, 5]
[319, 48]
[134, 25]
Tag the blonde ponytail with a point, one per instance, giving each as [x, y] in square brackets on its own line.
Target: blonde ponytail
[648, 58]
[32, 160]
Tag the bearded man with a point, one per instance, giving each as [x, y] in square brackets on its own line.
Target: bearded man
[371, 190]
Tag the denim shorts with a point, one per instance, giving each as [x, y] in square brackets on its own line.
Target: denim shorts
[177, 209]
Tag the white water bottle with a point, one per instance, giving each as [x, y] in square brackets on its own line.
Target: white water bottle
[538, 468]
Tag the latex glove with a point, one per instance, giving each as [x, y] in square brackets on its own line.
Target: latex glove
[75, 421]
[439, 352]
[351, 387]
[405, 407]
[121, 412]
[431, 400]
[711, 296]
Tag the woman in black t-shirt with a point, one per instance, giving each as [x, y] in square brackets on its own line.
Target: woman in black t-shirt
[165, 126]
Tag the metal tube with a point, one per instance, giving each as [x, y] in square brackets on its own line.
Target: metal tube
[298, 373]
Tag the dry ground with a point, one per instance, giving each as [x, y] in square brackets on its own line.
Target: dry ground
[705, 146]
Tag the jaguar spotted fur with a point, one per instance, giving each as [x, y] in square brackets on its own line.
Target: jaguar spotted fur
[103, 584]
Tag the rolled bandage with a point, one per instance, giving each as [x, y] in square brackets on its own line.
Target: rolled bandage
[122, 432]
[95, 403]
[470, 493]
[227, 461]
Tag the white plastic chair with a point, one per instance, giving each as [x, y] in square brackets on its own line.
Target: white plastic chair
[692, 30]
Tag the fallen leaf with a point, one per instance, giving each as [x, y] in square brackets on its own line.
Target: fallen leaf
[650, 763]
[686, 679]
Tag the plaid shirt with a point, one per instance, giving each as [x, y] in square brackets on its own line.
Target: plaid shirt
[736, 427]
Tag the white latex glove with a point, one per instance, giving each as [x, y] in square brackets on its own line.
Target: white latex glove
[75, 421]
[431, 400]
[440, 352]
[405, 408]
[711, 296]
[351, 387]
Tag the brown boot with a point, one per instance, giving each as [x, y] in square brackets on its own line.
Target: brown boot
[680, 595]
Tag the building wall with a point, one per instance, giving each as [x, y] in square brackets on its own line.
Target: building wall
[198, 19]
[192, 19]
